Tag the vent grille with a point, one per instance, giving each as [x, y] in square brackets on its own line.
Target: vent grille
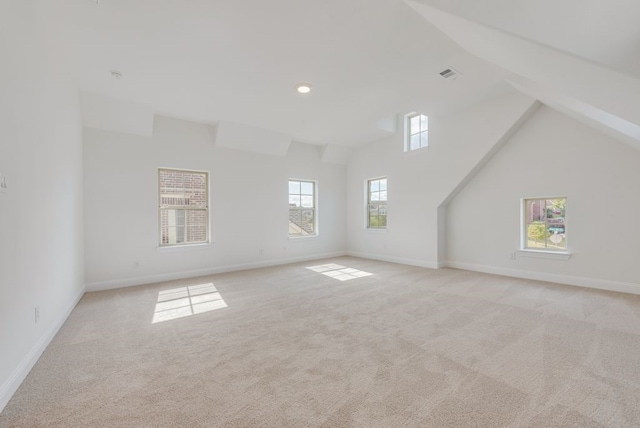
[450, 74]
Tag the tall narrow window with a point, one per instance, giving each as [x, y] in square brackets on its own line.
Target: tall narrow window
[183, 207]
[377, 203]
[302, 208]
[544, 223]
[416, 131]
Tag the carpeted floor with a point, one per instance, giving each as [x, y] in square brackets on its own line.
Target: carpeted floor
[375, 345]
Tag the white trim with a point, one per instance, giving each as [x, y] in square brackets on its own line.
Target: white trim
[550, 255]
[599, 284]
[11, 385]
[129, 282]
[185, 247]
[399, 260]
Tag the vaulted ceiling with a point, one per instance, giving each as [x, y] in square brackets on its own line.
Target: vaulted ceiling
[368, 61]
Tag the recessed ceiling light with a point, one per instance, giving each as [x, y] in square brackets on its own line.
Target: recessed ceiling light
[116, 74]
[303, 88]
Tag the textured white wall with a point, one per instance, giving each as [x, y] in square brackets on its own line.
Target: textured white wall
[41, 259]
[554, 155]
[248, 204]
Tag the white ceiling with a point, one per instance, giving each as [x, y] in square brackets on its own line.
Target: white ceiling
[368, 60]
[239, 61]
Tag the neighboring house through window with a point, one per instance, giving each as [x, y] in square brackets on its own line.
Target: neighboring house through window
[377, 203]
[183, 207]
[544, 224]
[302, 208]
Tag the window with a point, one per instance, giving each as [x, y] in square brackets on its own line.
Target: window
[416, 131]
[544, 224]
[184, 207]
[302, 208]
[377, 203]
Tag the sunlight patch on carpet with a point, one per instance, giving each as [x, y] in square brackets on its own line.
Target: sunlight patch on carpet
[186, 301]
[339, 272]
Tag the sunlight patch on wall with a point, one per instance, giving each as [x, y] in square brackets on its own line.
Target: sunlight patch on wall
[339, 272]
[186, 301]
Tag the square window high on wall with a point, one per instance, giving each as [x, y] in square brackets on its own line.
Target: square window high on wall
[544, 224]
[183, 207]
[303, 219]
[416, 131]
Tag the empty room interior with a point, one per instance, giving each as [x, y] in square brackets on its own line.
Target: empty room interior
[338, 213]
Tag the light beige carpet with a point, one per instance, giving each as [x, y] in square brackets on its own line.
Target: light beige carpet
[375, 345]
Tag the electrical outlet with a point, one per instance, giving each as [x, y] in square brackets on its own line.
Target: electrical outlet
[136, 264]
[513, 255]
[37, 314]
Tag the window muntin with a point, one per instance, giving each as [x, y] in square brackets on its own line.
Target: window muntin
[416, 131]
[544, 224]
[377, 203]
[302, 208]
[183, 200]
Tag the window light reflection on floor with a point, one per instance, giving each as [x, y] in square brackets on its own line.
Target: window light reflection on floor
[339, 272]
[186, 301]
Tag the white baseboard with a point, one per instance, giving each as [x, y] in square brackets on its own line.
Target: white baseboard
[150, 279]
[11, 385]
[600, 284]
[399, 260]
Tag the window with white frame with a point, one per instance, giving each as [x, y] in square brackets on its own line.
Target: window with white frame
[377, 203]
[544, 224]
[416, 131]
[183, 206]
[302, 208]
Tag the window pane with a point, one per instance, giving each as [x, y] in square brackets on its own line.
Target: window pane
[294, 187]
[383, 196]
[424, 123]
[183, 201]
[375, 196]
[545, 224]
[415, 142]
[307, 188]
[375, 186]
[415, 125]
[294, 200]
[383, 184]
[424, 139]
[302, 215]
[308, 221]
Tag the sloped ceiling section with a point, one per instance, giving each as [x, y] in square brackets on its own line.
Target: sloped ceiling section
[596, 95]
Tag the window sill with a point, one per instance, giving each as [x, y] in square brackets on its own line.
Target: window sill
[187, 247]
[550, 255]
[303, 237]
[376, 229]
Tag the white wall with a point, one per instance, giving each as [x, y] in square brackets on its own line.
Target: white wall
[41, 255]
[420, 181]
[248, 205]
[554, 155]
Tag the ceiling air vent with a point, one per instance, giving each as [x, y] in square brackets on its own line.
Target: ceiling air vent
[450, 74]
